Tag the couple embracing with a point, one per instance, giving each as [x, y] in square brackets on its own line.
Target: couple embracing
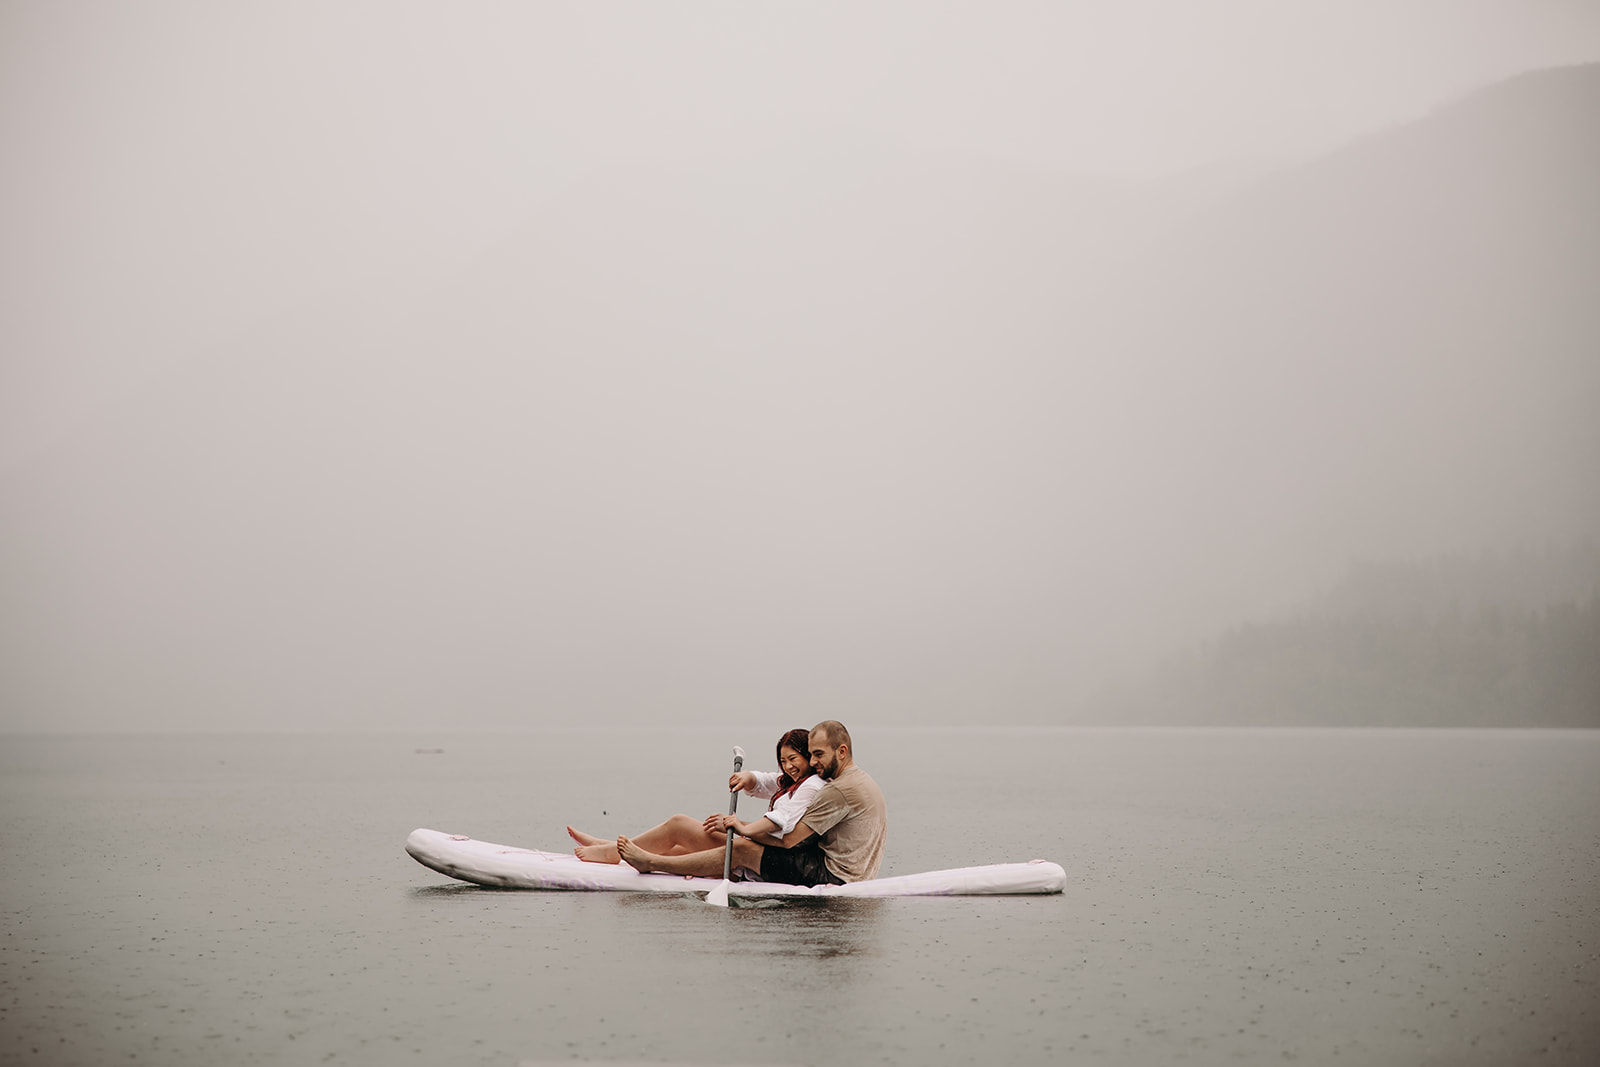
[826, 823]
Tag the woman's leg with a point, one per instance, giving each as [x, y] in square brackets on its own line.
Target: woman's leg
[677, 836]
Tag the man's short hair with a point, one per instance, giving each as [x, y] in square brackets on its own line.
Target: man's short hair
[834, 732]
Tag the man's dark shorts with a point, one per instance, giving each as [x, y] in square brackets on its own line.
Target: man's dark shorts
[801, 865]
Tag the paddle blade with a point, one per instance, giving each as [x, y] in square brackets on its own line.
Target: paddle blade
[719, 895]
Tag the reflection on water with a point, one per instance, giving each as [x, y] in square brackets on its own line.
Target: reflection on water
[815, 929]
[765, 932]
[459, 889]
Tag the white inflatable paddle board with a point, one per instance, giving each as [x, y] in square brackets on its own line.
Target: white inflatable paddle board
[505, 867]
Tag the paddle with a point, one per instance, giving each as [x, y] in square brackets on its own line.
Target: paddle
[719, 895]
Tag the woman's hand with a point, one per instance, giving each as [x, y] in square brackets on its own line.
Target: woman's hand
[745, 780]
[721, 823]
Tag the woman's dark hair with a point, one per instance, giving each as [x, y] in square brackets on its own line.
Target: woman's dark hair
[800, 741]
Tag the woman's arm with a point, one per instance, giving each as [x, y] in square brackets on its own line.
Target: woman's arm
[763, 830]
[775, 824]
[758, 784]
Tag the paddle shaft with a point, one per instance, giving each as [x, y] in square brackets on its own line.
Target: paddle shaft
[733, 807]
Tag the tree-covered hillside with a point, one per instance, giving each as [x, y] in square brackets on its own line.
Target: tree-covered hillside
[1496, 640]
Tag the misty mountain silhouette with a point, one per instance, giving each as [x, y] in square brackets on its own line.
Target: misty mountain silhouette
[1388, 350]
[920, 439]
[1498, 639]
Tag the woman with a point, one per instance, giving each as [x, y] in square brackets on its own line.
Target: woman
[790, 790]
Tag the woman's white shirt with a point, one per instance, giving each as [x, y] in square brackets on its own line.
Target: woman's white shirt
[786, 812]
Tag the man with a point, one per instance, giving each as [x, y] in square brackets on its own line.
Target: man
[839, 839]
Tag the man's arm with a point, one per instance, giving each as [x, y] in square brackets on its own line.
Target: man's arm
[761, 830]
[800, 832]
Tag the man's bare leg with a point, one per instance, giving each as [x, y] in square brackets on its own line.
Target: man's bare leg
[706, 863]
[677, 836]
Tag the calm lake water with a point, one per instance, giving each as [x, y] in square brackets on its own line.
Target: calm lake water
[1371, 897]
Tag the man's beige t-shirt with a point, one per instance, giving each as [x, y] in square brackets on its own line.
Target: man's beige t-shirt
[851, 822]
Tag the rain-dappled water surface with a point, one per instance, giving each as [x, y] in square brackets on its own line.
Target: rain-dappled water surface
[1360, 896]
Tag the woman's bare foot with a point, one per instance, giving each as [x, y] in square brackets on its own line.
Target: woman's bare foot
[635, 857]
[587, 839]
[604, 852]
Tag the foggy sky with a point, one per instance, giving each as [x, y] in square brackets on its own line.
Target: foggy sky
[348, 221]
[187, 168]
